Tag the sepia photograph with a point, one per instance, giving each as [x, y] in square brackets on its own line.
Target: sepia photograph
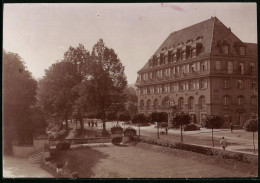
[130, 90]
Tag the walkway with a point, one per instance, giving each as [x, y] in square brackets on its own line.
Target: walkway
[17, 167]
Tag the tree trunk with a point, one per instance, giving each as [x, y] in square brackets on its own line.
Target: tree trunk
[212, 137]
[254, 141]
[139, 128]
[81, 121]
[181, 135]
[158, 130]
[104, 125]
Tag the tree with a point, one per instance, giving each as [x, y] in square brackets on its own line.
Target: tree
[55, 92]
[107, 81]
[124, 117]
[158, 117]
[139, 119]
[179, 119]
[251, 126]
[213, 122]
[19, 91]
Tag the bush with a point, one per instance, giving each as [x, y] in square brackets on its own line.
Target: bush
[63, 146]
[130, 131]
[105, 133]
[116, 140]
[59, 165]
[117, 129]
[48, 159]
[191, 127]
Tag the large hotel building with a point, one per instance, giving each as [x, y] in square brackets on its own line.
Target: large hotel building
[202, 69]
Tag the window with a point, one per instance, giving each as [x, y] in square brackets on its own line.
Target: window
[225, 49]
[192, 85]
[230, 67]
[239, 84]
[242, 50]
[202, 102]
[155, 104]
[181, 103]
[198, 66]
[227, 118]
[164, 88]
[218, 65]
[182, 86]
[183, 55]
[203, 84]
[254, 100]
[226, 83]
[191, 103]
[142, 104]
[241, 68]
[226, 100]
[193, 53]
[160, 88]
[240, 100]
[152, 89]
[193, 67]
[252, 67]
[176, 87]
[253, 84]
[204, 66]
[148, 104]
[156, 89]
[150, 75]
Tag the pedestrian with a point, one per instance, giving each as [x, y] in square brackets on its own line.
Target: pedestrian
[223, 143]
[166, 130]
[231, 127]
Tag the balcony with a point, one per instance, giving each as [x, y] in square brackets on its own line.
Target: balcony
[234, 72]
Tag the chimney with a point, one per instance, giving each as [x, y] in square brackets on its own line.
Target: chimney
[229, 29]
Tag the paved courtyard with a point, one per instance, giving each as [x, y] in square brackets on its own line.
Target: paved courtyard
[16, 167]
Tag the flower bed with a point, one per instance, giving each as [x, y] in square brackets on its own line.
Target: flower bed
[248, 158]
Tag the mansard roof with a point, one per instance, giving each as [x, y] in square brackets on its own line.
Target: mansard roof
[210, 34]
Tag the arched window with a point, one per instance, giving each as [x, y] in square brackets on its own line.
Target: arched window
[191, 103]
[240, 100]
[202, 102]
[167, 102]
[254, 100]
[142, 104]
[181, 103]
[148, 104]
[155, 104]
[226, 100]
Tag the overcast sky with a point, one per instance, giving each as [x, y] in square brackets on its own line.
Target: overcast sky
[41, 33]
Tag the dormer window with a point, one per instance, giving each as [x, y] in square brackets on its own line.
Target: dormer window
[225, 49]
[242, 50]
[193, 53]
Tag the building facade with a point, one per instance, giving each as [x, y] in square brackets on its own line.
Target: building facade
[202, 69]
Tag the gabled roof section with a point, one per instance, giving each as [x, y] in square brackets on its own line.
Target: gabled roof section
[202, 31]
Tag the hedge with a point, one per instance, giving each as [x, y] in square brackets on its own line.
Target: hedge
[248, 158]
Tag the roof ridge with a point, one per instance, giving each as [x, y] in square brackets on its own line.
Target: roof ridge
[193, 25]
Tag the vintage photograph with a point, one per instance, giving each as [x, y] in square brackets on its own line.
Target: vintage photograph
[130, 90]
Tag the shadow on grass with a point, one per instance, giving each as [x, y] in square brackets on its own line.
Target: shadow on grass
[79, 160]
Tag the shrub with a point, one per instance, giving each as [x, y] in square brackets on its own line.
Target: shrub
[130, 131]
[59, 165]
[48, 159]
[75, 174]
[117, 129]
[105, 133]
[116, 140]
[191, 127]
[63, 146]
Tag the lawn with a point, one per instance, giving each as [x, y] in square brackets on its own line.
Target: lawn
[140, 160]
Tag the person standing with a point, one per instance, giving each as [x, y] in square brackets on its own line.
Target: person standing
[223, 143]
[231, 127]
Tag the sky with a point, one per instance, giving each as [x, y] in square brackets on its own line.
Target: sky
[42, 33]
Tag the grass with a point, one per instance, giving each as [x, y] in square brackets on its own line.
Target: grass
[140, 160]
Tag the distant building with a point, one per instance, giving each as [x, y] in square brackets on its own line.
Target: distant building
[202, 69]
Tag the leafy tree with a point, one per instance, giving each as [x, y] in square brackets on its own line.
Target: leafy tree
[124, 117]
[158, 117]
[213, 122]
[251, 126]
[107, 81]
[179, 119]
[19, 90]
[139, 119]
[55, 93]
